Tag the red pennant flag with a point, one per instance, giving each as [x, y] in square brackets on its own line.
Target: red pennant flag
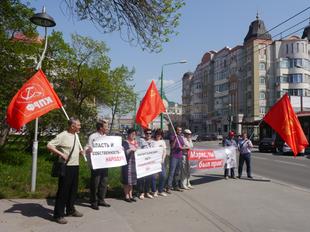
[34, 99]
[282, 118]
[151, 106]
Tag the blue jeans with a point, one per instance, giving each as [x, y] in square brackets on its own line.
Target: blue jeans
[247, 158]
[162, 177]
[175, 165]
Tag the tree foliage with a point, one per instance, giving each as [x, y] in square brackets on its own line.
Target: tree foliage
[147, 23]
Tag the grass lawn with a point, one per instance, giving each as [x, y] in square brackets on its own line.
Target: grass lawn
[15, 175]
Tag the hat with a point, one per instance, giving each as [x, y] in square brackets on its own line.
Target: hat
[187, 131]
[231, 133]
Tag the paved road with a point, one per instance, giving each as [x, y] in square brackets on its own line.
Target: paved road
[288, 169]
[278, 167]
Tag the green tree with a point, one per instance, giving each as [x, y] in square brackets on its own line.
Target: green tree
[144, 23]
[86, 84]
[17, 54]
[121, 98]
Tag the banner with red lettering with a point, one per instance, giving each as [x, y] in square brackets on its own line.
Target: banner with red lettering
[212, 158]
[107, 152]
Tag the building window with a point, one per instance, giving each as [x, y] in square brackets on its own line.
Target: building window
[262, 66]
[262, 80]
[284, 63]
[262, 110]
[262, 95]
[287, 49]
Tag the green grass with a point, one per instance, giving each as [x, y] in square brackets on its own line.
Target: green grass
[15, 175]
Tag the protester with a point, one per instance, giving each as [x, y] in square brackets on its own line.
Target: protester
[231, 162]
[245, 146]
[129, 174]
[144, 183]
[65, 145]
[159, 142]
[185, 171]
[99, 177]
[176, 144]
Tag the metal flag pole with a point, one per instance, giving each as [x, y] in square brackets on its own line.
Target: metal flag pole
[175, 133]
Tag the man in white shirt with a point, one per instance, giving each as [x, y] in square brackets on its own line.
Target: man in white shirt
[244, 147]
[99, 177]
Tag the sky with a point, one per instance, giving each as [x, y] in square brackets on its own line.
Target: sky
[204, 25]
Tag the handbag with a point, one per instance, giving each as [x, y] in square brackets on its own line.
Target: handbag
[59, 168]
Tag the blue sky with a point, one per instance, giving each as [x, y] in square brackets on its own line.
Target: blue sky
[205, 25]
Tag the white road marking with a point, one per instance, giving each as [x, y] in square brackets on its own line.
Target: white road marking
[280, 161]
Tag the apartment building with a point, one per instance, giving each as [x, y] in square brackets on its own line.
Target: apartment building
[234, 88]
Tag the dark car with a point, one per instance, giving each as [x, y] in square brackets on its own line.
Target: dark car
[267, 144]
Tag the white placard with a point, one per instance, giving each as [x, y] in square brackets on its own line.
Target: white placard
[148, 161]
[107, 152]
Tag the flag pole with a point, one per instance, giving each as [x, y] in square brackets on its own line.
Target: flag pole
[253, 129]
[77, 137]
[175, 133]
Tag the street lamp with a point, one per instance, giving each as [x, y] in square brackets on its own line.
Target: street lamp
[44, 20]
[162, 86]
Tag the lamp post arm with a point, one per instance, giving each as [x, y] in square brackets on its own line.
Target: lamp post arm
[44, 51]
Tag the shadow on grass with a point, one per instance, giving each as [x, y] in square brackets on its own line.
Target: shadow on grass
[31, 210]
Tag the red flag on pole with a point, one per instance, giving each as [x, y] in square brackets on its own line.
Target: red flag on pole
[151, 106]
[282, 118]
[34, 99]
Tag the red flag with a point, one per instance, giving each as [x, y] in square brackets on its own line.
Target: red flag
[151, 106]
[282, 118]
[34, 99]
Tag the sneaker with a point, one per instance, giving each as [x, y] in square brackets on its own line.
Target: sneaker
[155, 194]
[226, 177]
[250, 177]
[162, 194]
[191, 187]
[133, 199]
[233, 177]
[186, 188]
[141, 197]
[61, 220]
[75, 214]
[239, 177]
[148, 195]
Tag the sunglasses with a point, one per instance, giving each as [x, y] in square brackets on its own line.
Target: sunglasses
[149, 133]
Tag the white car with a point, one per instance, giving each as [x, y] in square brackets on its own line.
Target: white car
[286, 149]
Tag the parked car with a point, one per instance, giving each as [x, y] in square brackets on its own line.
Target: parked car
[267, 144]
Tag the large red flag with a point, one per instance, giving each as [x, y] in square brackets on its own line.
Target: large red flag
[282, 118]
[151, 106]
[34, 99]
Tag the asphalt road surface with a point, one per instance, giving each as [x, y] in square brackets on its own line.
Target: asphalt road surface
[277, 167]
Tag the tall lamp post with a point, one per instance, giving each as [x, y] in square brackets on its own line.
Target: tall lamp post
[44, 20]
[162, 86]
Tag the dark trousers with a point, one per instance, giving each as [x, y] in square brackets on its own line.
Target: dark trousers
[67, 191]
[247, 158]
[144, 184]
[232, 172]
[174, 171]
[98, 185]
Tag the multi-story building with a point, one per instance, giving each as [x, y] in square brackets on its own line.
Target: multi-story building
[235, 87]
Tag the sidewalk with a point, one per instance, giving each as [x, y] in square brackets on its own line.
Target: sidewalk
[214, 205]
